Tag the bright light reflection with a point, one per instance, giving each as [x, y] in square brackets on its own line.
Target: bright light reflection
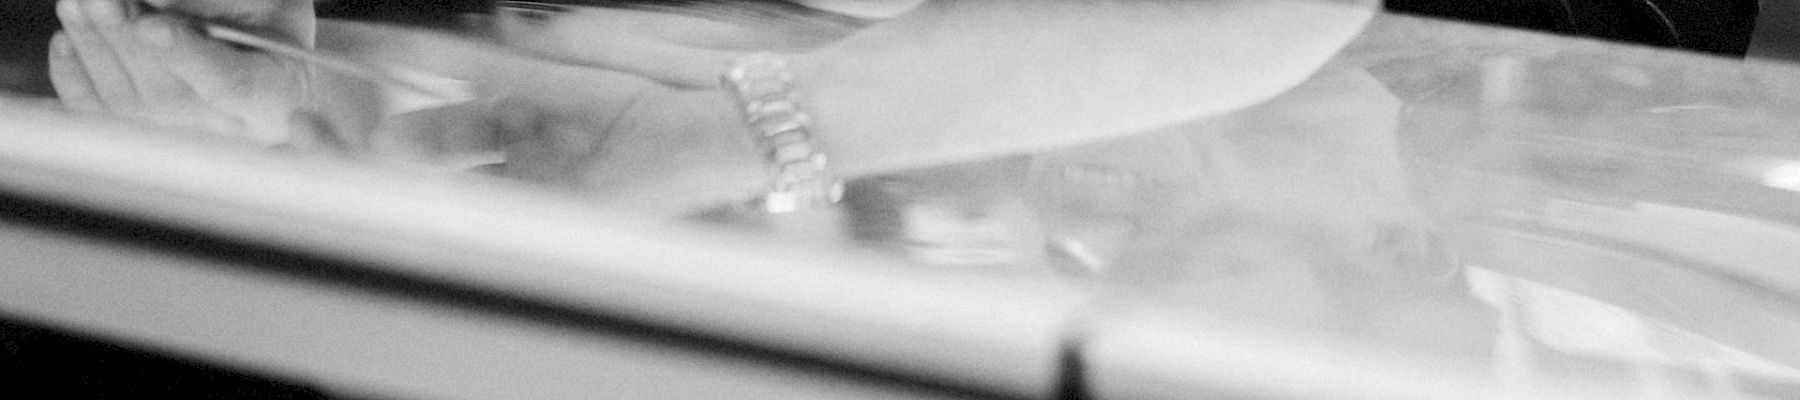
[1786, 177]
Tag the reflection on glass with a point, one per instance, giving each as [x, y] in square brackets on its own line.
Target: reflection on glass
[965, 215]
[1546, 204]
[1388, 200]
[1358, 202]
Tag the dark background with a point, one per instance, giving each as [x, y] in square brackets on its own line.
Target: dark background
[1721, 26]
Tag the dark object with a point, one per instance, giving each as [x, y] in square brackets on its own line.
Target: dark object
[25, 29]
[1777, 32]
[414, 12]
[1719, 27]
[53, 365]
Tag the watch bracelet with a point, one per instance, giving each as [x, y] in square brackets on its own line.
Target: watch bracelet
[762, 87]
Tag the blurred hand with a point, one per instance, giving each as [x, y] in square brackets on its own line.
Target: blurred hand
[121, 58]
[592, 73]
[616, 104]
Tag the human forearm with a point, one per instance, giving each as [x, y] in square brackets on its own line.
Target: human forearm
[954, 81]
[964, 79]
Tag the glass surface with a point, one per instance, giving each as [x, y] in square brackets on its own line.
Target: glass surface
[1551, 206]
[1556, 206]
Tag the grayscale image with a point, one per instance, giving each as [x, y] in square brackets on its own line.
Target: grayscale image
[900, 199]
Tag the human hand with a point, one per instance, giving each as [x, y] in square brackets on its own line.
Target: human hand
[585, 117]
[112, 58]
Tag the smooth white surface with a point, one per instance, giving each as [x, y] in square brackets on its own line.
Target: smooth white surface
[1146, 354]
[972, 331]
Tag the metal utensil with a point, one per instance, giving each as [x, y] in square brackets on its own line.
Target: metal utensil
[245, 37]
[338, 64]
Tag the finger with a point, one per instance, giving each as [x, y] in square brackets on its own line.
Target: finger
[241, 11]
[150, 80]
[153, 72]
[71, 82]
[210, 68]
[104, 69]
[290, 19]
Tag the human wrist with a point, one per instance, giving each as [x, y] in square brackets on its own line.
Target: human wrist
[762, 86]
